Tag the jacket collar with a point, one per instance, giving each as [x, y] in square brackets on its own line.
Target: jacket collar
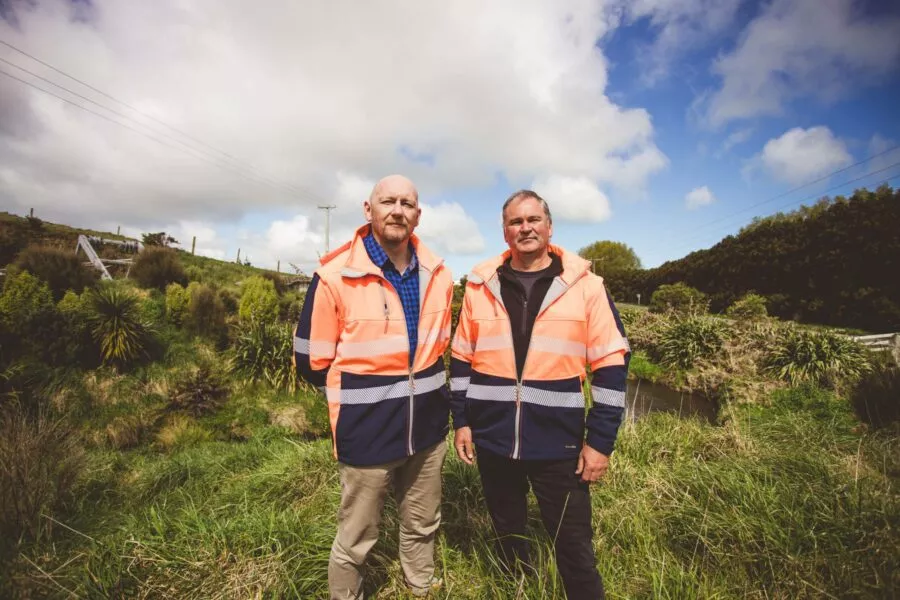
[358, 262]
[573, 266]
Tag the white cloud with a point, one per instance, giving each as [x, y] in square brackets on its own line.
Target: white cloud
[574, 198]
[681, 25]
[798, 48]
[314, 97]
[735, 138]
[801, 155]
[698, 197]
[447, 229]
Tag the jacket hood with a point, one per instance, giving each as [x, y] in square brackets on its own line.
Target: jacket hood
[352, 255]
[573, 266]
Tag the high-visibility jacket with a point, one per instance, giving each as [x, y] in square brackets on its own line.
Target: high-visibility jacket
[540, 415]
[352, 341]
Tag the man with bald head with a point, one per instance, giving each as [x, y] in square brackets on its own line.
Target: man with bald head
[372, 335]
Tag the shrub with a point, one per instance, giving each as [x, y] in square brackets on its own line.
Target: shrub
[688, 339]
[289, 307]
[751, 307]
[61, 270]
[630, 316]
[198, 392]
[29, 321]
[194, 273]
[13, 239]
[823, 358]
[157, 267]
[177, 300]
[263, 351]
[259, 301]
[680, 298]
[229, 301]
[876, 396]
[79, 347]
[645, 332]
[117, 325]
[205, 311]
[40, 461]
[277, 281]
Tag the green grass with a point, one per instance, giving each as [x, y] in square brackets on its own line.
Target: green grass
[781, 501]
[218, 272]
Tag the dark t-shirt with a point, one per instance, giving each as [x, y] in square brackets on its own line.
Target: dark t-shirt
[527, 279]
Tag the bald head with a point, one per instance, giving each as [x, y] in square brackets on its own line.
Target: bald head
[393, 210]
[394, 186]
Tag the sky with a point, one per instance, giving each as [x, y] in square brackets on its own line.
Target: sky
[663, 124]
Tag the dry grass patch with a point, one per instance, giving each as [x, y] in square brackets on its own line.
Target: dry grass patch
[180, 431]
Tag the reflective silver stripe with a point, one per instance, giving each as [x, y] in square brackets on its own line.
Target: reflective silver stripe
[555, 399]
[608, 397]
[496, 342]
[462, 346]
[531, 395]
[395, 390]
[459, 384]
[497, 393]
[388, 345]
[557, 346]
[598, 352]
[319, 349]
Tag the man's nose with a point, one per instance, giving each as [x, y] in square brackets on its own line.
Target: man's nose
[396, 208]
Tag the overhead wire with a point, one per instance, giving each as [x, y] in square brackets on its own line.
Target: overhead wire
[232, 164]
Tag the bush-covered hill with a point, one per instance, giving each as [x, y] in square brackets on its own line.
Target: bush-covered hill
[834, 263]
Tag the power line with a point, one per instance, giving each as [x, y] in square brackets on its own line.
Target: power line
[798, 188]
[811, 197]
[249, 169]
[193, 152]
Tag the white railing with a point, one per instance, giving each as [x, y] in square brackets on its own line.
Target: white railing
[89, 251]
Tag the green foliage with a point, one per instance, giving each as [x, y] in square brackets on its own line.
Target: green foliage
[823, 264]
[177, 301]
[40, 461]
[158, 239]
[229, 300]
[157, 267]
[13, 239]
[751, 307]
[194, 273]
[277, 281]
[61, 270]
[289, 306]
[641, 367]
[645, 329]
[205, 311]
[688, 339]
[263, 351]
[117, 325]
[25, 302]
[822, 358]
[876, 396]
[200, 391]
[611, 257]
[259, 301]
[679, 298]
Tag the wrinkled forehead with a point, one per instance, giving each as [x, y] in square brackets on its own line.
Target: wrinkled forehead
[523, 207]
[395, 188]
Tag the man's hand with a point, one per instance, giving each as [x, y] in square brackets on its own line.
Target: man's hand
[592, 465]
[462, 441]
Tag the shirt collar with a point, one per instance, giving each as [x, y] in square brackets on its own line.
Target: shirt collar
[380, 257]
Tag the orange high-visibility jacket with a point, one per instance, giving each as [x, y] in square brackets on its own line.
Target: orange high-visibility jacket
[542, 414]
[352, 340]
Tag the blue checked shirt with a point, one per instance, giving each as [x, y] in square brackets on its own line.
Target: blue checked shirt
[407, 285]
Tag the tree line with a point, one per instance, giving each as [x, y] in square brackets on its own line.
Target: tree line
[834, 263]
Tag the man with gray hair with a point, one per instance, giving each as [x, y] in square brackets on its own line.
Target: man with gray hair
[531, 319]
[372, 333]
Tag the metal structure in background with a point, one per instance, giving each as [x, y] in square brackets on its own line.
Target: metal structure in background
[882, 342]
[85, 244]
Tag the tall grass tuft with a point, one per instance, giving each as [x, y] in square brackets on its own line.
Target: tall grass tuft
[40, 461]
[117, 325]
[263, 352]
[876, 397]
[688, 339]
[823, 358]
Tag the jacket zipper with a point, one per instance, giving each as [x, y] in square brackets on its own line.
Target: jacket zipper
[519, 377]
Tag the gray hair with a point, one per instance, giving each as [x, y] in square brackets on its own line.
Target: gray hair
[526, 194]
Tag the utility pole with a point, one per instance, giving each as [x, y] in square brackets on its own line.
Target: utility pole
[328, 208]
[193, 245]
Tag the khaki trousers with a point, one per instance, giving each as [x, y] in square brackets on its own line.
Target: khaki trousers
[416, 481]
